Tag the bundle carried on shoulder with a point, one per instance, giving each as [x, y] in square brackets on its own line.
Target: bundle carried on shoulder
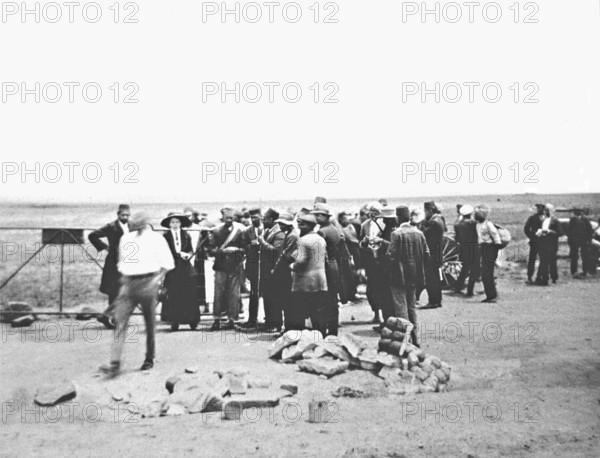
[504, 234]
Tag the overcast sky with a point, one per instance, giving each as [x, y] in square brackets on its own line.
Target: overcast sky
[377, 140]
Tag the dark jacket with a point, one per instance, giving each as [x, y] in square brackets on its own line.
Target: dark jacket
[550, 240]
[465, 234]
[110, 274]
[407, 255]
[534, 222]
[228, 262]
[281, 271]
[580, 231]
[269, 251]
[433, 230]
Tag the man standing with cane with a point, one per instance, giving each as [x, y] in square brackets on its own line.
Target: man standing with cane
[144, 259]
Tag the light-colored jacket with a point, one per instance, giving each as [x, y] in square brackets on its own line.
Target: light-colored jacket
[487, 233]
[308, 271]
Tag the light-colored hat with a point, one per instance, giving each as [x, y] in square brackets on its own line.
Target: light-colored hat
[466, 210]
[285, 218]
[388, 212]
[310, 219]
[321, 209]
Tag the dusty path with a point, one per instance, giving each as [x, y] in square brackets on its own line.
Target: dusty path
[533, 390]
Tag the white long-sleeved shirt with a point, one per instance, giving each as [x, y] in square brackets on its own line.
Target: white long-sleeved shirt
[487, 233]
[144, 253]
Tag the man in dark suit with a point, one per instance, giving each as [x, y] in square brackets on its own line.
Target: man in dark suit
[580, 235]
[322, 213]
[110, 282]
[434, 227]
[270, 243]
[465, 233]
[407, 254]
[281, 276]
[533, 224]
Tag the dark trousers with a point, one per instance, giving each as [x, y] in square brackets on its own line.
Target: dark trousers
[313, 305]
[254, 301]
[471, 268]
[200, 279]
[433, 282]
[533, 255]
[548, 264]
[135, 291]
[585, 258]
[273, 303]
[489, 255]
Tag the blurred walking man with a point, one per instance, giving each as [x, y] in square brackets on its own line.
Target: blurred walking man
[144, 259]
[109, 284]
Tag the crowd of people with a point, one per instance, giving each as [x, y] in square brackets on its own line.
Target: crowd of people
[304, 263]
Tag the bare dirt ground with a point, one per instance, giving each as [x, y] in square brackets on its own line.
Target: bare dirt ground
[525, 382]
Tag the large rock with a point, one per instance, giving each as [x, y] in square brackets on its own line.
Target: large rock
[354, 344]
[52, 394]
[238, 383]
[368, 359]
[23, 321]
[290, 354]
[287, 339]
[256, 382]
[386, 359]
[154, 408]
[389, 374]
[14, 310]
[197, 399]
[175, 410]
[323, 366]
[339, 352]
[260, 398]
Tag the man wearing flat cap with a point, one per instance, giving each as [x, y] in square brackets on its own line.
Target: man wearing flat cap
[434, 227]
[465, 234]
[109, 284]
[331, 235]
[532, 226]
[281, 275]
[227, 245]
[407, 256]
[309, 280]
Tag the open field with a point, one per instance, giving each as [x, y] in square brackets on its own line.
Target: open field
[525, 383]
[38, 283]
[525, 371]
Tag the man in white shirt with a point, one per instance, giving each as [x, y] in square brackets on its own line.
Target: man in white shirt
[144, 259]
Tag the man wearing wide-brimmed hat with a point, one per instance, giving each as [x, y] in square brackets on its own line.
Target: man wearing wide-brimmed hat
[532, 225]
[109, 284]
[465, 234]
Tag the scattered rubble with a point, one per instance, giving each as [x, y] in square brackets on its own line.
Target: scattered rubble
[404, 367]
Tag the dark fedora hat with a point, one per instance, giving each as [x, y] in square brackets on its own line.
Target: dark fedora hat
[185, 221]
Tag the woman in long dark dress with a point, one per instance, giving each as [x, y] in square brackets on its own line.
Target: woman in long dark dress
[180, 305]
